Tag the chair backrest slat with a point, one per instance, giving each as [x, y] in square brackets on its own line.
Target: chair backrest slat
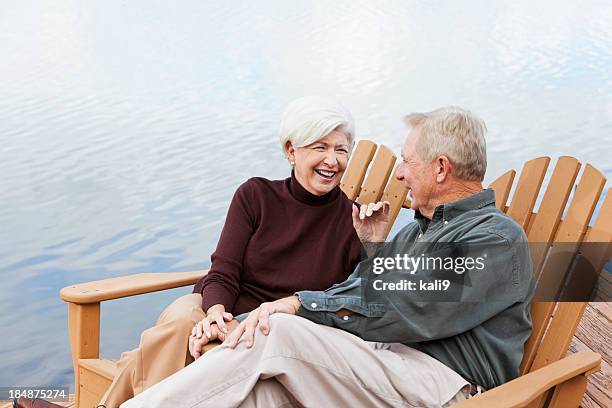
[540, 315]
[541, 233]
[527, 190]
[395, 194]
[593, 251]
[546, 221]
[374, 186]
[570, 233]
[502, 186]
[357, 167]
[560, 257]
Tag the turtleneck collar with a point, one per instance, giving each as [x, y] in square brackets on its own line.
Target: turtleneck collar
[301, 194]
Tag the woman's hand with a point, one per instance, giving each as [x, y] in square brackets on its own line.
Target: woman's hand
[215, 314]
[371, 221]
[259, 317]
[196, 344]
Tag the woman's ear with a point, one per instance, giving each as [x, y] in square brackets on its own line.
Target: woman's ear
[290, 153]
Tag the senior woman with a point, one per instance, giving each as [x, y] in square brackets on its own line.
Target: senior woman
[279, 237]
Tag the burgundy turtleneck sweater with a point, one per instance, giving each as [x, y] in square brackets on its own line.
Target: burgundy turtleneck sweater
[278, 239]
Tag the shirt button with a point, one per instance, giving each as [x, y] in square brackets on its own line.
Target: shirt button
[313, 305]
[345, 318]
[445, 222]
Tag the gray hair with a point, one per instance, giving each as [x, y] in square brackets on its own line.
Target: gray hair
[309, 118]
[455, 133]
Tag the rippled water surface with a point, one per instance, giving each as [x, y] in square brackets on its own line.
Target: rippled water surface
[125, 127]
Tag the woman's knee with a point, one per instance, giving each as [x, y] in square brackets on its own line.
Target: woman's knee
[187, 308]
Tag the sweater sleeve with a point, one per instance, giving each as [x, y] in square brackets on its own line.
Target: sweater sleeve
[222, 283]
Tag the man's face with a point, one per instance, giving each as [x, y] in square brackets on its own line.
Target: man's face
[418, 176]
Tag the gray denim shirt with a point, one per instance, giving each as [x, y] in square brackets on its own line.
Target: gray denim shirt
[478, 325]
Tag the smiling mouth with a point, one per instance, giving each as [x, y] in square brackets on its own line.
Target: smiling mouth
[326, 174]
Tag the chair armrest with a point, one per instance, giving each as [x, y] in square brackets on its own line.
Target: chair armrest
[124, 286]
[521, 391]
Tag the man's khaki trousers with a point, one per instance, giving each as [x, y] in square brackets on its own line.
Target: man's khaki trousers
[163, 350]
[301, 363]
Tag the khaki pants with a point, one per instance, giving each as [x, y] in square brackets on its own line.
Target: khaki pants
[163, 350]
[301, 363]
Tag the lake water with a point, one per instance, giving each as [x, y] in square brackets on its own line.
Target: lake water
[125, 127]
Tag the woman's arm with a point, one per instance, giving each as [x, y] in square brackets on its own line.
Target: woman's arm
[221, 286]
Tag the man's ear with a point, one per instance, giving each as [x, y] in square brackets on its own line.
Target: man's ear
[443, 168]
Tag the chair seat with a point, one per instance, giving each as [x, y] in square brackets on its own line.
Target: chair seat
[96, 376]
[103, 367]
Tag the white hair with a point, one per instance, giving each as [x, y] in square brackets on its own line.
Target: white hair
[455, 133]
[309, 118]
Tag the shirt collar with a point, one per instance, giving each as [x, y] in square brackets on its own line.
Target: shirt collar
[453, 209]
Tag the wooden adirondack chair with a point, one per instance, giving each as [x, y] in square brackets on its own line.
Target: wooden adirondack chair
[554, 324]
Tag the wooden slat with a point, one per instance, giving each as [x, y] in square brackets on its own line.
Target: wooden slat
[502, 186]
[376, 180]
[559, 334]
[395, 193]
[527, 190]
[540, 316]
[568, 239]
[541, 232]
[570, 233]
[547, 219]
[602, 227]
[94, 382]
[569, 394]
[593, 252]
[568, 236]
[87, 399]
[103, 367]
[522, 390]
[93, 387]
[130, 285]
[356, 171]
[84, 333]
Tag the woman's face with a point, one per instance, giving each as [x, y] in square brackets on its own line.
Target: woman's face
[319, 166]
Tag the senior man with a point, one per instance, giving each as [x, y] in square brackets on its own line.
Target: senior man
[400, 331]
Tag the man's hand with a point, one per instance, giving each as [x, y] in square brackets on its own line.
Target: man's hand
[371, 221]
[259, 317]
[197, 343]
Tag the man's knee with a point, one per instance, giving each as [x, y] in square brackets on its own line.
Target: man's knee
[289, 327]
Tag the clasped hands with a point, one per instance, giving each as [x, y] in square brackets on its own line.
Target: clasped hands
[212, 327]
[232, 332]
[221, 325]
